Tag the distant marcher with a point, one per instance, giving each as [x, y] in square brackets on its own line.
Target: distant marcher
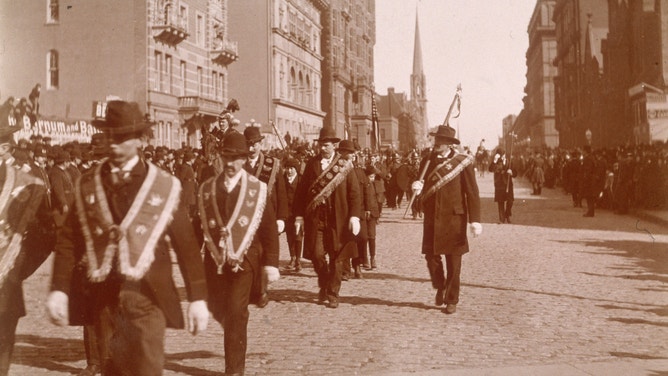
[503, 185]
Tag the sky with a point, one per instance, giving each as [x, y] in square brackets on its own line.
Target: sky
[481, 44]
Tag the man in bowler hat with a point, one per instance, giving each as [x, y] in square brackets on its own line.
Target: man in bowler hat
[329, 211]
[450, 200]
[112, 265]
[241, 245]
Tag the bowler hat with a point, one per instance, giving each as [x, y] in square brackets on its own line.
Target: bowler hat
[346, 146]
[253, 135]
[61, 156]
[291, 162]
[328, 134]
[122, 118]
[446, 134]
[234, 145]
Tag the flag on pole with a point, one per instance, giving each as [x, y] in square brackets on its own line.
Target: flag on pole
[459, 101]
[375, 129]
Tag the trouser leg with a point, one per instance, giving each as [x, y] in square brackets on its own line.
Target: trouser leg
[91, 346]
[502, 211]
[235, 323]
[320, 264]
[8, 324]
[452, 283]
[436, 273]
[509, 208]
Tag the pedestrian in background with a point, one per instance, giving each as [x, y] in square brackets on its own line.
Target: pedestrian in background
[124, 209]
[503, 184]
[450, 200]
[295, 240]
[372, 215]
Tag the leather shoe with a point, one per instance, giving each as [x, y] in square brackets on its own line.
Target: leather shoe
[263, 300]
[450, 308]
[91, 370]
[333, 304]
[438, 300]
[322, 296]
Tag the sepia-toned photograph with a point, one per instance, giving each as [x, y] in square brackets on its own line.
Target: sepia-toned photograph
[334, 187]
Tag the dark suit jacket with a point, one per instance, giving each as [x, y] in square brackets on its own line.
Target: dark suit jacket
[344, 202]
[157, 283]
[278, 197]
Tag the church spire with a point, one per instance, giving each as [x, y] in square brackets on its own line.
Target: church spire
[419, 81]
[417, 52]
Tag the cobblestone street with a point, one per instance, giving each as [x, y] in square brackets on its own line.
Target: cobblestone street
[553, 287]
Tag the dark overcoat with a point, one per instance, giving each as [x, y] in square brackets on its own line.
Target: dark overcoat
[346, 202]
[157, 284]
[448, 211]
[503, 182]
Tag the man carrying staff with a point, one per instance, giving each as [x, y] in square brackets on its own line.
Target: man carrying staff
[449, 198]
[329, 210]
[241, 239]
[113, 243]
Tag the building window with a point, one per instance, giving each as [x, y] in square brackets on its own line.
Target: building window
[183, 17]
[52, 8]
[52, 69]
[200, 81]
[183, 77]
[168, 72]
[199, 30]
[158, 71]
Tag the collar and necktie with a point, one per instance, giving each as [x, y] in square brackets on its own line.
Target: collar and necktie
[121, 174]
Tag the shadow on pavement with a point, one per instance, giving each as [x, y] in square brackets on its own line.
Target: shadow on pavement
[300, 296]
[188, 370]
[647, 255]
[48, 353]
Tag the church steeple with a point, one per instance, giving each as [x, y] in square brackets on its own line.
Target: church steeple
[418, 79]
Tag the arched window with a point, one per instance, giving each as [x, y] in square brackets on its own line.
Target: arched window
[293, 85]
[309, 92]
[52, 69]
[301, 89]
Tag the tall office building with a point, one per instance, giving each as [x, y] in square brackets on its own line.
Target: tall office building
[279, 75]
[349, 36]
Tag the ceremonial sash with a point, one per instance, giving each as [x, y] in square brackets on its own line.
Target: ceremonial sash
[266, 171]
[444, 172]
[327, 182]
[135, 238]
[229, 242]
[21, 194]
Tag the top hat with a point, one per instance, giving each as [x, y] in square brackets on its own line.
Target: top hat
[234, 145]
[122, 118]
[446, 134]
[253, 135]
[346, 146]
[328, 134]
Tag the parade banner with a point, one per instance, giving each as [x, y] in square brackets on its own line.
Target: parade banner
[60, 130]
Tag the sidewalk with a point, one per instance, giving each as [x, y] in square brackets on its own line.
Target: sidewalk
[649, 367]
[659, 217]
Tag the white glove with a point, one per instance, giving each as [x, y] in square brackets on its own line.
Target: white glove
[299, 224]
[417, 187]
[281, 225]
[509, 172]
[57, 307]
[476, 229]
[496, 158]
[354, 225]
[198, 317]
[271, 273]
